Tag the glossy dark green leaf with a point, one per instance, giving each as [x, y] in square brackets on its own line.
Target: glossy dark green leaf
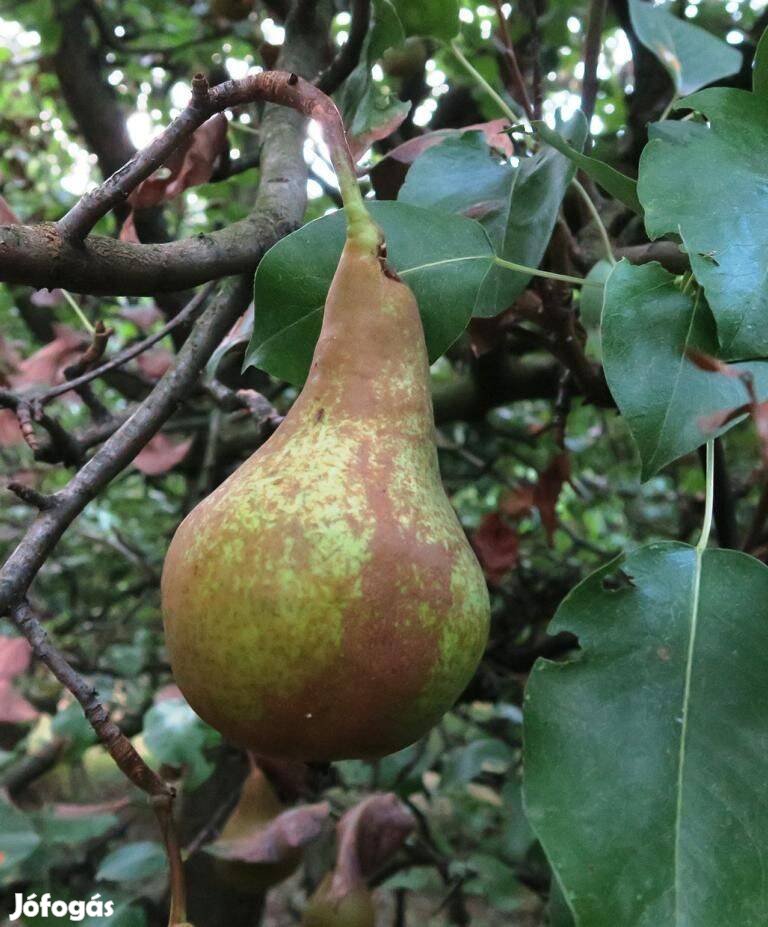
[517, 205]
[436, 18]
[443, 258]
[709, 184]
[132, 861]
[692, 56]
[645, 755]
[620, 186]
[558, 912]
[760, 66]
[647, 325]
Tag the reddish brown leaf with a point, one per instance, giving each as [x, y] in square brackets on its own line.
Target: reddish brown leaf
[161, 454]
[359, 144]
[518, 502]
[388, 175]
[47, 365]
[143, 317]
[547, 491]
[372, 831]
[716, 420]
[7, 215]
[190, 164]
[128, 231]
[15, 654]
[497, 546]
[153, 364]
[279, 839]
[70, 812]
[14, 708]
[368, 835]
[10, 431]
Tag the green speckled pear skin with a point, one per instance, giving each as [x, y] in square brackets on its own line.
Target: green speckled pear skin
[323, 603]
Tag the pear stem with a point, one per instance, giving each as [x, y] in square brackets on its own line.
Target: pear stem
[547, 274]
[281, 87]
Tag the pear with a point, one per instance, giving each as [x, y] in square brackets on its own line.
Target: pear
[353, 909]
[257, 807]
[323, 602]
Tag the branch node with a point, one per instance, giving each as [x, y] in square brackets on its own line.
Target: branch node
[293, 79]
[32, 496]
[199, 89]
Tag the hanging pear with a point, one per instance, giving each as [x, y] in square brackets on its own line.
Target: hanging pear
[257, 808]
[323, 602]
[354, 909]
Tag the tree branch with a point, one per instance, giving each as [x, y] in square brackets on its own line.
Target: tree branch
[592, 42]
[283, 87]
[511, 61]
[349, 55]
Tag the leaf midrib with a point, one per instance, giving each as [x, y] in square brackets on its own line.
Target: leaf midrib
[699, 554]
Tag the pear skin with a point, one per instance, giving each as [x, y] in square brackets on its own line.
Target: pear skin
[323, 602]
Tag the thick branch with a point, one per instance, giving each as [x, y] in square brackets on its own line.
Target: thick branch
[283, 87]
[90, 99]
[591, 55]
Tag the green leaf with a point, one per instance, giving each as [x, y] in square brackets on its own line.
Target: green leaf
[18, 837]
[436, 18]
[70, 829]
[488, 754]
[132, 861]
[176, 736]
[517, 205]
[760, 66]
[692, 56]
[645, 757]
[494, 881]
[620, 186]
[648, 324]
[558, 912]
[709, 184]
[72, 724]
[444, 260]
[365, 106]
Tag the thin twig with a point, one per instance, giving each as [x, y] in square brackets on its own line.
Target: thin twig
[119, 747]
[511, 61]
[186, 315]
